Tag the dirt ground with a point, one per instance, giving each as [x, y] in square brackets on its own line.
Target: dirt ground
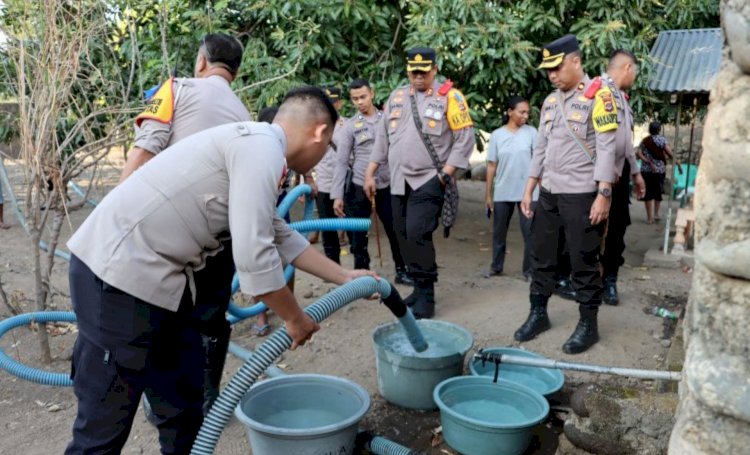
[37, 419]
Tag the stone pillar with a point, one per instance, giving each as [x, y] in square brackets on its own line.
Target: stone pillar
[714, 412]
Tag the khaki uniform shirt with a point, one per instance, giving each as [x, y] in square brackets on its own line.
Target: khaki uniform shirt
[400, 145]
[150, 233]
[325, 169]
[354, 142]
[200, 103]
[558, 159]
[624, 149]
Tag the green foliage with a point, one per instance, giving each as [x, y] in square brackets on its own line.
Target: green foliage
[489, 48]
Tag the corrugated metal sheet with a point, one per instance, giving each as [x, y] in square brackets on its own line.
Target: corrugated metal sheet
[686, 61]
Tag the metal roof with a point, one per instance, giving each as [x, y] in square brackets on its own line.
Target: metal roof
[686, 61]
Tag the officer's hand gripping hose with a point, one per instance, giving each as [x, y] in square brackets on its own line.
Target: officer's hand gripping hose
[280, 341]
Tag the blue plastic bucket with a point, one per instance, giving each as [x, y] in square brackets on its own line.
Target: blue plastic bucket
[407, 378]
[303, 414]
[480, 417]
[546, 381]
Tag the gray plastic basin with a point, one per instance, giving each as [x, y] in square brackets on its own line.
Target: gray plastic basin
[303, 414]
[544, 380]
[407, 378]
[480, 417]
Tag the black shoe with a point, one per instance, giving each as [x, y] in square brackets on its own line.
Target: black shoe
[537, 322]
[610, 296]
[564, 289]
[424, 305]
[490, 273]
[403, 278]
[586, 333]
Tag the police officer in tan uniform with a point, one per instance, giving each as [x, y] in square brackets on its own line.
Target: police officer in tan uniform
[132, 262]
[417, 186]
[620, 77]
[354, 142]
[323, 180]
[180, 108]
[574, 164]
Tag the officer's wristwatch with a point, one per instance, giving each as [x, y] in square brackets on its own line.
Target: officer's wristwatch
[605, 192]
[445, 177]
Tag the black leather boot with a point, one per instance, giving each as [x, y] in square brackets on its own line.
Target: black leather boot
[537, 322]
[586, 333]
[564, 289]
[424, 306]
[610, 296]
[402, 277]
[411, 299]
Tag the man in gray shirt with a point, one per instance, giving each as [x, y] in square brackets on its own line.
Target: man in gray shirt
[133, 262]
[574, 164]
[417, 186]
[354, 142]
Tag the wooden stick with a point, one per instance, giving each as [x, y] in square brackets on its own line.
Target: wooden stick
[377, 229]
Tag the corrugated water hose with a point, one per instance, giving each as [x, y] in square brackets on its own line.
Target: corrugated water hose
[271, 349]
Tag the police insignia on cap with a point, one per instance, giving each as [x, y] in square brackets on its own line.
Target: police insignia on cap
[553, 53]
[545, 53]
[418, 58]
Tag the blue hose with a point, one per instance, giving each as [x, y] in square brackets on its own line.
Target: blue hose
[82, 193]
[25, 372]
[19, 214]
[272, 348]
[326, 224]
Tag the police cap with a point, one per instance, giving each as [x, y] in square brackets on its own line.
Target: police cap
[333, 92]
[420, 59]
[554, 52]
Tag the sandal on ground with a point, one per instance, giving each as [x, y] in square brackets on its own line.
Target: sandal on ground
[260, 330]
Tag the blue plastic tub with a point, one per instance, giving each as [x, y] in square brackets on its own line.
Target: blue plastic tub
[303, 414]
[407, 378]
[546, 381]
[480, 417]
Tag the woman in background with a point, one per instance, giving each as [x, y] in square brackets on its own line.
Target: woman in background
[653, 153]
[508, 164]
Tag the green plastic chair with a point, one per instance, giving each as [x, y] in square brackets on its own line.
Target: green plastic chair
[684, 181]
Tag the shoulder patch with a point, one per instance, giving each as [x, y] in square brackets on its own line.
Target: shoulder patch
[458, 111]
[161, 105]
[604, 114]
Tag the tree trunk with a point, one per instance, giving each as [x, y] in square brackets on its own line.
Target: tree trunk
[40, 296]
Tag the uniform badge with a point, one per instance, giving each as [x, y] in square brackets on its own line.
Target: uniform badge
[400, 93]
[432, 123]
[583, 98]
[428, 113]
[576, 116]
[548, 116]
[437, 115]
[393, 123]
[363, 137]
[396, 113]
[398, 99]
[581, 86]
[359, 125]
[551, 99]
[608, 106]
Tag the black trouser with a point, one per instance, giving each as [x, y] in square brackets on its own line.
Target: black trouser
[331, 245]
[503, 212]
[571, 213]
[127, 347]
[619, 220]
[416, 215]
[358, 206]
